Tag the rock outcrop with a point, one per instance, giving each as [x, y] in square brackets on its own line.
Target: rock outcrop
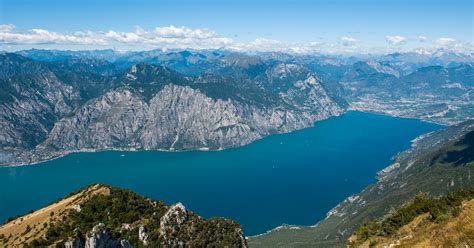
[142, 235]
[74, 243]
[100, 237]
[102, 222]
[171, 223]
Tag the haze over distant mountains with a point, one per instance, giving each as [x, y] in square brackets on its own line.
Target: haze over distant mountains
[55, 102]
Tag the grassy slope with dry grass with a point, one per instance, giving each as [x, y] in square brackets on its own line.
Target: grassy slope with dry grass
[423, 231]
[25, 229]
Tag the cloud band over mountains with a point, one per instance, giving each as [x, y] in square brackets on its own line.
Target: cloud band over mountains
[172, 37]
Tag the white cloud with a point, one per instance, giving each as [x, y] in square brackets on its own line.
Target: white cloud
[6, 28]
[316, 44]
[184, 32]
[261, 44]
[272, 45]
[9, 35]
[422, 38]
[126, 37]
[265, 44]
[395, 40]
[166, 37]
[452, 44]
[445, 41]
[174, 37]
[348, 41]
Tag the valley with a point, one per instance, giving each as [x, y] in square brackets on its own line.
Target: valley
[274, 129]
[236, 124]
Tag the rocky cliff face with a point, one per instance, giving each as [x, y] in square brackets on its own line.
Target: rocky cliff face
[99, 236]
[32, 98]
[154, 108]
[176, 118]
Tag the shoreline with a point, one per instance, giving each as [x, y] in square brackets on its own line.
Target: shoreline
[401, 116]
[207, 149]
[201, 149]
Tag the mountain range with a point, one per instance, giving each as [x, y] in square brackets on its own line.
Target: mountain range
[57, 102]
[53, 108]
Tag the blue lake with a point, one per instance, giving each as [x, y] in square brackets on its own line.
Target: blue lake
[291, 178]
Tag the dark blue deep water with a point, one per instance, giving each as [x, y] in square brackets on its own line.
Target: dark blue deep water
[292, 178]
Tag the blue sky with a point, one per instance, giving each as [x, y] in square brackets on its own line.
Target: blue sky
[328, 24]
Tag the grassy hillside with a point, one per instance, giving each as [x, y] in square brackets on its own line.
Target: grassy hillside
[423, 222]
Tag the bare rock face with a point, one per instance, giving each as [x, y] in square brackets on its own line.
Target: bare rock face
[178, 224]
[125, 244]
[100, 237]
[75, 243]
[171, 222]
[175, 216]
[142, 234]
[104, 123]
[177, 118]
[31, 99]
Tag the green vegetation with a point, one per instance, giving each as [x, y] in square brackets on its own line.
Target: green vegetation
[121, 206]
[123, 211]
[438, 208]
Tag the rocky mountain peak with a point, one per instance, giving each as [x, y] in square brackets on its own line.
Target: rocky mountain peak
[106, 217]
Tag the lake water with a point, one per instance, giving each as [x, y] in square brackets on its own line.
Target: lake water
[291, 178]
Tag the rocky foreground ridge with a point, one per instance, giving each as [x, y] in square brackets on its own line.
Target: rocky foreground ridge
[104, 216]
